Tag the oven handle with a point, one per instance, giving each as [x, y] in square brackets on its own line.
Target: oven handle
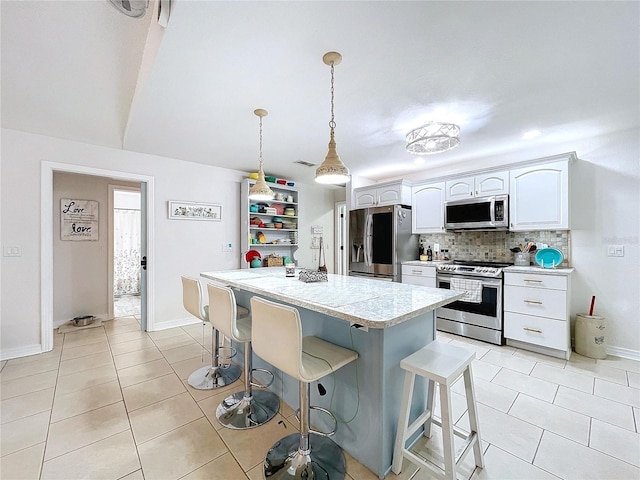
[489, 282]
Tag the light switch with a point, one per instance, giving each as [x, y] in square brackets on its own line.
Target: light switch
[615, 250]
[12, 251]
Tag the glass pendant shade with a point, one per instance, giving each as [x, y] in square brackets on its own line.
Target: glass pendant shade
[260, 191]
[332, 171]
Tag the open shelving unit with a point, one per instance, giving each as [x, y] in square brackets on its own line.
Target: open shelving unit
[281, 241]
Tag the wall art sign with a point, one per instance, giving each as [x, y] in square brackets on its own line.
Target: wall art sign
[79, 220]
[195, 211]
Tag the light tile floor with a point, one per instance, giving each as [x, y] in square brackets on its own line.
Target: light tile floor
[113, 403]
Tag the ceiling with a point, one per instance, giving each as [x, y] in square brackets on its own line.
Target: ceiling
[83, 71]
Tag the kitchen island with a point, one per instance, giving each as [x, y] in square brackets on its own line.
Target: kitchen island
[384, 322]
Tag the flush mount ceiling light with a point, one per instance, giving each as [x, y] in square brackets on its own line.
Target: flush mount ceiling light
[260, 191]
[332, 171]
[433, 137]
[131, 8]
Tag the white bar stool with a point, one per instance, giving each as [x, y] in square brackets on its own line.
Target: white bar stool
[214, 375]
[249, 408]
[277, 339]
[444, 364]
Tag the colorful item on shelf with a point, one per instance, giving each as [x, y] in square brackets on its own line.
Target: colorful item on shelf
[291, 184]
[253, 176]
[289, 211]
[549, 257]
[270, 179]
[280, 181]
[261, 237]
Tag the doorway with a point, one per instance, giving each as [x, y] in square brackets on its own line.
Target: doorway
[125, 230]
[340, 221]
[46, 229]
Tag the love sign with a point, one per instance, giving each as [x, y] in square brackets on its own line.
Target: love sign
[78, 220]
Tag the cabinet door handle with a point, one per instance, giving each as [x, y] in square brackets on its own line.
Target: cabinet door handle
[532, 281]
[534, 330]
[535, 302]
[416, 272]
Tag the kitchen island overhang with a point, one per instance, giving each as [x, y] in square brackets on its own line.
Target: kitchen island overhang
[399, 320]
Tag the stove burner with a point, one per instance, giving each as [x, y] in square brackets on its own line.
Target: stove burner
[476, 263]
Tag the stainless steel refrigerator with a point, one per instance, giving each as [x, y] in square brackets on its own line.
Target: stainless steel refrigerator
[380, 239]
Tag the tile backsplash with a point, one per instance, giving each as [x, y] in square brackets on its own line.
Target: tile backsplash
[494, 246]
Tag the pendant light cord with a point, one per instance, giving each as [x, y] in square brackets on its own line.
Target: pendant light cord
[261, 141]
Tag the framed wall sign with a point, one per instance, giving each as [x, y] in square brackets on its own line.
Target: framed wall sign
[194, 211]
[79, 220]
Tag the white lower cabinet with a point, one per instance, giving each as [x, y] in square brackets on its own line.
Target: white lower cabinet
[424, 275]
[536, 312]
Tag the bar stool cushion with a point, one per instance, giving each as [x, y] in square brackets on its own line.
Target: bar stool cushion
[230, 319]
[277, 339]
[192, 299]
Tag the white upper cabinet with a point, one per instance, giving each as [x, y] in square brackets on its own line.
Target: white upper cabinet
[539, 197]
[483, 185]
[427, 203]
[396, 193]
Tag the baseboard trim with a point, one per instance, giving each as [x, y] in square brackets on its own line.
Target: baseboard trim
[11, 353]
[623, 353]
[179, 322]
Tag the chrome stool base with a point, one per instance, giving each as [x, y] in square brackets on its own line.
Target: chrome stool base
[209, 378]
[239, 412]
[323, 461]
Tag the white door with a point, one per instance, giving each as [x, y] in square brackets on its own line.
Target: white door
[341, 232]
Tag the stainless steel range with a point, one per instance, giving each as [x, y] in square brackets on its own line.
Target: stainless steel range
[479, 313]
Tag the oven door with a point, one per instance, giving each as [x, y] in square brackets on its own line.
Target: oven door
[487, 313]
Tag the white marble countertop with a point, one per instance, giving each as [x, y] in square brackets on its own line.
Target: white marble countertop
[419, 263]
[372, 303]
[540, 270]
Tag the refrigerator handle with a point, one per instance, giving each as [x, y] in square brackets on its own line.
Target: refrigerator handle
[368, 244]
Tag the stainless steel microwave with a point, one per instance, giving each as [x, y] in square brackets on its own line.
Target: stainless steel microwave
[481, 213]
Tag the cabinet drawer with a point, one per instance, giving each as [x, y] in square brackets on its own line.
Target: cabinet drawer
[540, 302]
[415, 280]
[555, 282]
[419, 271]
[539, 331]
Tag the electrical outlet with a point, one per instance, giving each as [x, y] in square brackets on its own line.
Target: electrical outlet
[315, 242]
[615, 250]
[316, 230]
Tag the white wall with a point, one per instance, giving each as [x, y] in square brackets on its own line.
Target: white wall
[181, 246]
[80, 270]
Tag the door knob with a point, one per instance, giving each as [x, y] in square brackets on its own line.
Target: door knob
[143, 263]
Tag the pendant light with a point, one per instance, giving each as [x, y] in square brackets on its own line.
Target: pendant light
[332, 171]
[260, 191]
